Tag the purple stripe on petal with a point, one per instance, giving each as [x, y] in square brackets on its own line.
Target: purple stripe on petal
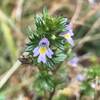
[42, 58]
[69, 29]
[36, 51]
[49, 53]
[63, 33]
[44, 41]
[70, 40]
[71, 33]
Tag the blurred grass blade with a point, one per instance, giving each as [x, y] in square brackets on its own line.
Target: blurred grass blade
[9, 40]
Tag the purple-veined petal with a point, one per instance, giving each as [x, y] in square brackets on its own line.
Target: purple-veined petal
[42, 58]
[70, 40]
[63, 33]
[71, 32]
[36, 51]
[44, 41]
[49, 53]
[69, 29]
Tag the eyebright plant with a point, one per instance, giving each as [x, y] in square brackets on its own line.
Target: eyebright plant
[49, 45]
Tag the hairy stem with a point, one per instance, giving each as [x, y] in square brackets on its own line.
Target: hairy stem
[51, 94]
[9, 73]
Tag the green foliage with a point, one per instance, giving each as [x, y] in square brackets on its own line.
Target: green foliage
[44, 82]
[87, 89]
[49, 27]
[92, 73]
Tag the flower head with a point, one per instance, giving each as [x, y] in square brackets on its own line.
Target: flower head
[80, 77]
[43, 50]
[74, 62]
[67, 34]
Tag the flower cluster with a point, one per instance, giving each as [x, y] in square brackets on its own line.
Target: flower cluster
[43, 51]
[67, 34]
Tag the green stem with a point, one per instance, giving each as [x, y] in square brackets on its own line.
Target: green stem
[51, 94]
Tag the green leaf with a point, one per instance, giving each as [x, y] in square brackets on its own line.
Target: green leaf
[60, 56]
[44, 81]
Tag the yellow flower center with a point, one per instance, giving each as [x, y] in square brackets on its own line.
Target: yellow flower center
[67, 36]
[42, 50]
